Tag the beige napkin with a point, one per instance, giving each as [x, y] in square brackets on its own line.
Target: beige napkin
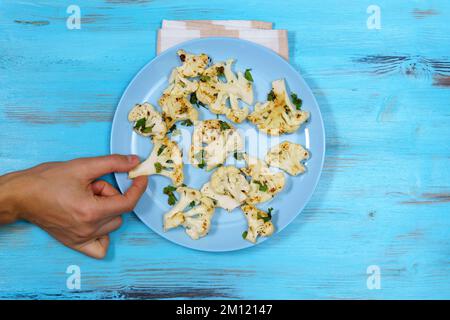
[174, 32]
[224, 24]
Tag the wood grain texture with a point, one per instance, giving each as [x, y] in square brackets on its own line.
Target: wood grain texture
[384, 195]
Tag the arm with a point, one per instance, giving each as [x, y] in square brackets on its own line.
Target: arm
[66, 200]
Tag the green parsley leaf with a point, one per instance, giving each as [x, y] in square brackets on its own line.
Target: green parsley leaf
[147, 129]
[204, 78]
[238, 155]
[244, 234]
[158, 167]
[200, 157]
[271, 96]
[172, 128]
[223, 125]
[140, 124]
[193, 100]
[297, 101]
[172, 199]
[169, 191]
[262, 187]
[161, 149]
[269, 211]
[248, 75]
[187, 123]
[264, 218]
[192, 204]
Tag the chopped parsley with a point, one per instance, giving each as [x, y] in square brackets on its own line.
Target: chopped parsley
[193, 100]
[238, 155]
[244, 234]
[204, 78]
[265, 218]
[248, 75]
[169, 191]
[140, 124]
[187, 123]
[262, 186]
[148, 129]
[268, 217]
[271, 96]
[200, 157]
[192, 204]
[297, 101]
[223, 125]
[158, 167]
[172, 128]
[161, 149]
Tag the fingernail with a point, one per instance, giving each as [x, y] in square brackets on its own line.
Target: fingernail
[133, 158]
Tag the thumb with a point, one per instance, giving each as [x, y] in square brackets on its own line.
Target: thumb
[96, 248]
[92, 168]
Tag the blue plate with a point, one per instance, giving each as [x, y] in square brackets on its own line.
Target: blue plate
[266, 66]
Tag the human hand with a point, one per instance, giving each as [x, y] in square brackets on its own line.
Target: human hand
[66, 200]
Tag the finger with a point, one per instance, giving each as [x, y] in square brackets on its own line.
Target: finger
[109, 226]
[95, 167]
[103, 188]
[119, 203]
[96, 248]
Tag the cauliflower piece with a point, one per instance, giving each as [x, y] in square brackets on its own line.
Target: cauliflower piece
[197, 219]
[215, 93]
[165, 159]
[229, 181]
[212, 142]
[264, 184]
[259, 223]
[278, 115]
[147, 121]
[193, 65]
[222, 201]
[177, 108]
[174, 101]
[288, 156]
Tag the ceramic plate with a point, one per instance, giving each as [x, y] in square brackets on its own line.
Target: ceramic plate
[266, 66]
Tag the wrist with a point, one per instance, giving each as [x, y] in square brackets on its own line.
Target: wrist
[9, 200]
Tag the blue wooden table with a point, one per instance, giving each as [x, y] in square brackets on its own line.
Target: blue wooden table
[378, 225]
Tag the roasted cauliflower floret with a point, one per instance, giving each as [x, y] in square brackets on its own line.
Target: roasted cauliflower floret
[215, 93]
[278, 115]
[174, 101]
[176, 108]
[288, 156]
[165, 159]
[193, 65]
[194, 212]
[147, 121]
[212, 142]
[229, 181]
[264, 184]
[222, 201]
[259, 223]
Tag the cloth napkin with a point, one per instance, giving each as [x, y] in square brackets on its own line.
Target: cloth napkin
[174, 32]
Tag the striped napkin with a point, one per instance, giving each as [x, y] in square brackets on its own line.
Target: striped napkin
[174, 32]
